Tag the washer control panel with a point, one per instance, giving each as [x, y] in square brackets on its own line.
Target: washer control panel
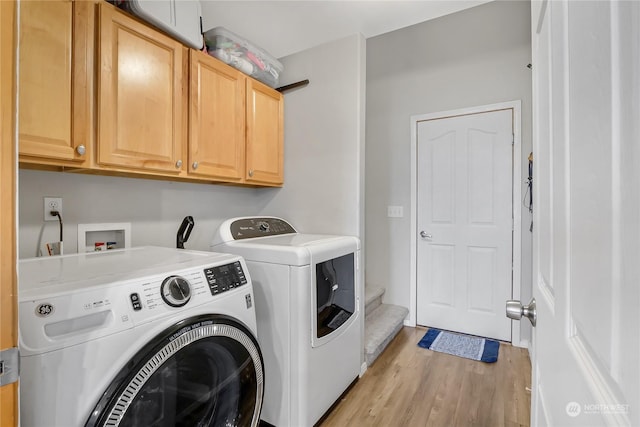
[167, 284]
[225, 277]
[247, 228]
[161, 293]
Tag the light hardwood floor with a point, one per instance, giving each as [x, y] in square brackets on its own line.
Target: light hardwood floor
[410, 386]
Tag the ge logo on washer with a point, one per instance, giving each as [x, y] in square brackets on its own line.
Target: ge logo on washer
[44, 310]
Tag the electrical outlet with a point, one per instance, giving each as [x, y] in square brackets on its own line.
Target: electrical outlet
[52, 204]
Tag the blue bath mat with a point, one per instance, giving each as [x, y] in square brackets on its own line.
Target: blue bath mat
[461, 345]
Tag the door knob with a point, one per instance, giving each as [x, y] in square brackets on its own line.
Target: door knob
[515, 310]
[426, 235]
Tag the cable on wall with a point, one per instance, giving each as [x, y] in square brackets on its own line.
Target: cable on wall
[51, 248]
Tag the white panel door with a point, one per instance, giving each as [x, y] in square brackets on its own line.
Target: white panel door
[586, 74]
[464, 221]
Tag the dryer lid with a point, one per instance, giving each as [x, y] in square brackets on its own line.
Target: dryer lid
[291, 249]
[274, 240]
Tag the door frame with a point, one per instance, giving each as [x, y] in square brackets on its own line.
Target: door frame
[516, 284]
[8, 201]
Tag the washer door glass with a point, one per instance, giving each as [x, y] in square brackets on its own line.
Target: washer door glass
[209, 373]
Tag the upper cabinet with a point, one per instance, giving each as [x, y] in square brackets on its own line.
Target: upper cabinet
[102, 91]
[55, 42]
[265, 135]
[216, 119]
[141, 99]
[236, 125]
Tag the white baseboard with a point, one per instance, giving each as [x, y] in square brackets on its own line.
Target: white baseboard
[363, 369]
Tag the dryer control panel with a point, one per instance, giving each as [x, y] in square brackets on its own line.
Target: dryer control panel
[248, 228]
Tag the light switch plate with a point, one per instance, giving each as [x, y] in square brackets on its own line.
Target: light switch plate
[395, 211]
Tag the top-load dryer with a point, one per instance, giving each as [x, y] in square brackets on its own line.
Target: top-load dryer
[307, 289]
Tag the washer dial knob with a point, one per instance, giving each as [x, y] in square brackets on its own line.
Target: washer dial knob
[263, 226]
[175, 291]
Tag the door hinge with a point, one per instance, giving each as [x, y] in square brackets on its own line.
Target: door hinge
[9, 366]
[513, 139]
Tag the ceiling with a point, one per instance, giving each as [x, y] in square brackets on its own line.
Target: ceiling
[285, 27]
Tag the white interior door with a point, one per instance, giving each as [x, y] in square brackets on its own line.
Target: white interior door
[586, 68]
[465, 224]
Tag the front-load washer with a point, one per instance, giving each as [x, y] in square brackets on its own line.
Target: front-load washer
[138, 337]
[307, 290]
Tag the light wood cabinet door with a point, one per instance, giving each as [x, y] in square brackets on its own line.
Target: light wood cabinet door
[141, 123]
[54, 110]
[8, 256]
[265, 135]
[216, 119]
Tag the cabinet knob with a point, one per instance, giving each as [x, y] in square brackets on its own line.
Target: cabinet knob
[81, 150]
[251, 172]
[194, 165]
[178, 164]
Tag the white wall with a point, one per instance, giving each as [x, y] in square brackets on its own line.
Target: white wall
[154, 208]
[323, 169]
[324, 139]
[470, 58]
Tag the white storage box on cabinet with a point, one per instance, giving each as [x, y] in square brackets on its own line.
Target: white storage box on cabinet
[179, 18]
[243, 55]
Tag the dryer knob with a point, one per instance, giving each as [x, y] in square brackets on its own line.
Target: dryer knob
[175, 291]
